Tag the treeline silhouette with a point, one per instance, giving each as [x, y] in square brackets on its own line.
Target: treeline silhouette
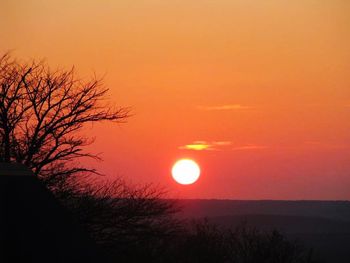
[42, 115]
[136, 224]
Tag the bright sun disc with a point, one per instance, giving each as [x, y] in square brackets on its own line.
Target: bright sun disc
[185, 171]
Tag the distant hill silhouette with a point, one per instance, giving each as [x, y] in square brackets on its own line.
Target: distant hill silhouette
[322, 225]
[286, 224]
[339, 210]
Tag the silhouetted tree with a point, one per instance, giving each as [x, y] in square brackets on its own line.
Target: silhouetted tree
[127, 222]
[42, 113]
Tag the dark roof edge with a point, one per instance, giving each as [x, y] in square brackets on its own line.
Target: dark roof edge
[14, 169]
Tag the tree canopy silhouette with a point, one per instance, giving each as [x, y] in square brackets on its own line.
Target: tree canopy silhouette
[42, 112]
[42, 115]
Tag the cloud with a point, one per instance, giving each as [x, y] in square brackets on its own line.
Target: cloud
[249, 147]
[224, 107]
[196, 147]
[204, 145]
[219, 146]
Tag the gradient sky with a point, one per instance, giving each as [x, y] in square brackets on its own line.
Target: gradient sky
[257, 92]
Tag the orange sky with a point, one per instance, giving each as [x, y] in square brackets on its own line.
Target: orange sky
[262, 87]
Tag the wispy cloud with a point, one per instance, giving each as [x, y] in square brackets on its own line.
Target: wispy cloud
[220, 146]
[249, 147]
[326, 145]
[224, 107]
[204, 145]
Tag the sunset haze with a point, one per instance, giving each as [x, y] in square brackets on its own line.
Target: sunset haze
[256, 92]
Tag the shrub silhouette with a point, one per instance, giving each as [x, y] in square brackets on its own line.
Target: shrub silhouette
[203, 242]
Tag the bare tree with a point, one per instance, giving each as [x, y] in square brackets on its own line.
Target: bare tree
[42, 112]
[125, 221]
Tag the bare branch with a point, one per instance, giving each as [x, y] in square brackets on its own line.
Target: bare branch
[42, 113]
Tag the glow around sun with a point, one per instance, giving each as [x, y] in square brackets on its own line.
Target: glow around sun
[185, 171]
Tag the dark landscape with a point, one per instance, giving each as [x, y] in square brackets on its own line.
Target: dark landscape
[321, 225]
[174, 131]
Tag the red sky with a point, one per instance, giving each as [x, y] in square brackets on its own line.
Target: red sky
[260, 87]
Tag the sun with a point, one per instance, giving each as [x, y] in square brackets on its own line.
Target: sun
[185, 171]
